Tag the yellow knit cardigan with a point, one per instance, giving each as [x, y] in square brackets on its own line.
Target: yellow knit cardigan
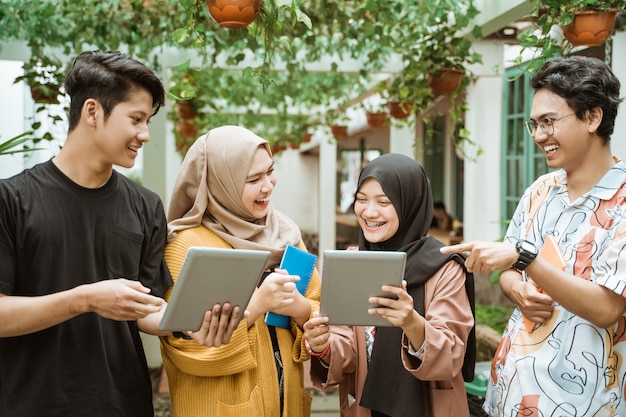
[238, 379]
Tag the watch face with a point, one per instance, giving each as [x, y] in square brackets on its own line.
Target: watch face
[528, 246]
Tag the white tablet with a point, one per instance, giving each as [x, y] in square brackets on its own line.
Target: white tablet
[212, 276]
[349, 278]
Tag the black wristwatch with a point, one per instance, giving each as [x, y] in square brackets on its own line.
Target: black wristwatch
[527, 253]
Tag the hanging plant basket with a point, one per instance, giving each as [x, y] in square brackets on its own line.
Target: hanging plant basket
[45, 93]
[339, 131]
[278, 147]
[447, 81]
[185, 135]
[376, 119]
[185, 110]
[186, 130]
[400, 110]
[234, 14]
[590, 27]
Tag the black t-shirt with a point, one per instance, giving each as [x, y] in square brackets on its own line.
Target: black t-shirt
[56, 235]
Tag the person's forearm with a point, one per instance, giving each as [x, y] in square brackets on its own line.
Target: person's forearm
[150, 324]
[302, 310]
[586, 299]
[25, 315]
[508, 278]
[416, 333]
[255, 310]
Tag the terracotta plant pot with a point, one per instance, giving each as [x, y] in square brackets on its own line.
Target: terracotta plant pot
[339, 131]
[376, 119]
[590, 27]
[399, 110]
[278, 148]
[185, 110]
[186, 130]
[234, 14]
[45, 93]
[447, 81]
[307, 137]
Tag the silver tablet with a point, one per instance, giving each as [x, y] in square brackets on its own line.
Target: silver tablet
[349, 278]
[210, 276]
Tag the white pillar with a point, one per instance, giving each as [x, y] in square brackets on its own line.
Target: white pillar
[402, 138]
[484, 121]
[12, 111]
[327, 194]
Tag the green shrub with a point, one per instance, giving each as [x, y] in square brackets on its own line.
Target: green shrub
[495, 317]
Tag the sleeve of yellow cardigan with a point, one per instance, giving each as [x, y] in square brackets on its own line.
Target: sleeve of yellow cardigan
[228, 359]
[300, 352]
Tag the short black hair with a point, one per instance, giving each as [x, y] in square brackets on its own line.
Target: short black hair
[585, 83]
[108, 77]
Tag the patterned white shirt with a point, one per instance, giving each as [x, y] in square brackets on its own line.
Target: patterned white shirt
[567, 366]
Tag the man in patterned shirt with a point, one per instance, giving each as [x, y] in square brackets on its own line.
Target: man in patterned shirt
[562, 351]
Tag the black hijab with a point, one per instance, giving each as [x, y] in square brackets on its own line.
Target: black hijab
[389, 388]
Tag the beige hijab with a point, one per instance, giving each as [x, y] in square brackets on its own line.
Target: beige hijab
[208, 191]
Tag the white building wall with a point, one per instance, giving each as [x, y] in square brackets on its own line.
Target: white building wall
[484, 121]
[298, 189]
[11, 114]
[618, 140]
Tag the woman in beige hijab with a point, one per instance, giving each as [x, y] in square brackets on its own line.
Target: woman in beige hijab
[221, 199]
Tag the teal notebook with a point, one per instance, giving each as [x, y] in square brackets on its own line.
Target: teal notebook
[296, 262]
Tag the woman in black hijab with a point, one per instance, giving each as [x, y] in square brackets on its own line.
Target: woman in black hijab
[416, 367]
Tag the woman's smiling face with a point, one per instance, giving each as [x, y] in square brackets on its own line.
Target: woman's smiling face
[376, 215]
[259, 184]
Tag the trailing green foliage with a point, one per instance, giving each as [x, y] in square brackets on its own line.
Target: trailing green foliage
[273, 64]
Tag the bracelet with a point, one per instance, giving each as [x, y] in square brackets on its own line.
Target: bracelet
[322, 353]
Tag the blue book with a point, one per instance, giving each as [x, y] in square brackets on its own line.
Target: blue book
[296, 262]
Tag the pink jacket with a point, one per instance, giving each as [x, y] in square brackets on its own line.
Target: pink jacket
[449, 322]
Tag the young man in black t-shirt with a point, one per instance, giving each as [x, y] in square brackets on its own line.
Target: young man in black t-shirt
[81, 257]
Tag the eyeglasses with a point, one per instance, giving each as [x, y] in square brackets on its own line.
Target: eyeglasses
[546, 125]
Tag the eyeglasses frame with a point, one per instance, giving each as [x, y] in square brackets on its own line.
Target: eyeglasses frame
[531, 125]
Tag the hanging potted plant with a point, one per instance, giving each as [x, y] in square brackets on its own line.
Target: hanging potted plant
[376, 119]
[234, 14]
[446, 80]
[575, 18]
[399, 109]
[338, 122]
[396, 93]
[307, 130]
[400, 94]
[375, 114]
[278, 147]
[186, 130]
[443, 54]
[44, 76]
[590, 27]
[437, 62]
[339, 131]
[187, 109]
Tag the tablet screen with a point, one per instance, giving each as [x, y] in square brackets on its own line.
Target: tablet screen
[349, 278]
[210, 276]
